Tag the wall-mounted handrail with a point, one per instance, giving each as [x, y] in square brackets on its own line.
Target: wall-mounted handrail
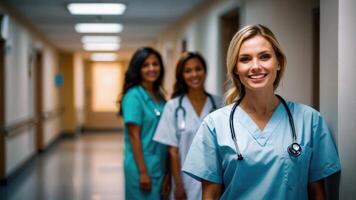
[19, 127]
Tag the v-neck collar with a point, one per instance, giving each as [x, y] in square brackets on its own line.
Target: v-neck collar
[147, 97]
[203, 111]
[260, 136]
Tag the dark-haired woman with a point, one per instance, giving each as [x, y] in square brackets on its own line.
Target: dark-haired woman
[181, 119]
[142, 105]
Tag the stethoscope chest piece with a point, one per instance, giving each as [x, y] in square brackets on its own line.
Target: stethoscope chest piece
[294, 149]
[157, 112]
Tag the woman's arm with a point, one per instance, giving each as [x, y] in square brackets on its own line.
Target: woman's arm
[211, 191]
[316, 190]
[134, 137]
[179, 192]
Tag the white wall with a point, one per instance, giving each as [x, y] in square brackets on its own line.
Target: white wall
[17, 78]
[291, 21]
[337, 83]
[347, 97]
[329, 63]
[20, 92]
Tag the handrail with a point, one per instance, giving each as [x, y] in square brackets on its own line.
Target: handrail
[17, 128]
[52, 114]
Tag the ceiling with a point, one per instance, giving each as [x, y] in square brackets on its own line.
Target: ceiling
[143, 20]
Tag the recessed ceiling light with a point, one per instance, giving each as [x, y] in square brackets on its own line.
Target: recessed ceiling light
[101, 46]
[98, 28]
[100, 39]
[96, 8]
[105, 57]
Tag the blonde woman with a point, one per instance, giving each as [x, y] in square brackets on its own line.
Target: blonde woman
[261, 146]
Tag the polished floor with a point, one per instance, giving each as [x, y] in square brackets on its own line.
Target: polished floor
[88, 167]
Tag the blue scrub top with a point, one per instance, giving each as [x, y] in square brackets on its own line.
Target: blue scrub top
[140, 109]
[267, 170]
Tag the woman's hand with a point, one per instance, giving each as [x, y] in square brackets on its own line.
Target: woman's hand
[145, 182]
[179, 193]
[166, 186]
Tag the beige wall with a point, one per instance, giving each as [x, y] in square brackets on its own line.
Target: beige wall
[67, 93]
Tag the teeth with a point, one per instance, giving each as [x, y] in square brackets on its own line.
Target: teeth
[257, 76]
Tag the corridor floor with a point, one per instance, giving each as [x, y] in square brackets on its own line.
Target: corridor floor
[85, 168]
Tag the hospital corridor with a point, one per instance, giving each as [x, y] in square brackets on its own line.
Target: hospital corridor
[134, 99]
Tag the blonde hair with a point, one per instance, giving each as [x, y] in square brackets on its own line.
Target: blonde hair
[238, 89]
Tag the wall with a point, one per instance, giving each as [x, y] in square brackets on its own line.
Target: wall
[347, 97]
[69, 122]
[52, 126]
[18, 94]
[21, 46]
[329, 63]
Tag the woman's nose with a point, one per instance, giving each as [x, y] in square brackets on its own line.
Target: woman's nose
[255, 64]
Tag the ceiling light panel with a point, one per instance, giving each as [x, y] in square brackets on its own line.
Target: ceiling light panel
[96, 8]
[100, 39]
[101, 47]
[103, 57]
[98, 28]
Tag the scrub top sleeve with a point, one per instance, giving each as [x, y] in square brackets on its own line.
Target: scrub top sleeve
[325, 160]
[203, 161]
[132, 109]
[166, 132]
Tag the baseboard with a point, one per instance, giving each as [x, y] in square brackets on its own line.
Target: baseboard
[101, 130]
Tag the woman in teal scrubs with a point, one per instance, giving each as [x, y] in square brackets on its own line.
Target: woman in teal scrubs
[257, 162]
[142, 105]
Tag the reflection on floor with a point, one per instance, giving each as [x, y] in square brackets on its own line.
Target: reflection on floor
[84, 168]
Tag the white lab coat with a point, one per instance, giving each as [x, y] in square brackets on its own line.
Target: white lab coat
[168, 133]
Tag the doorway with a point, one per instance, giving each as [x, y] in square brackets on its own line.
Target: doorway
[229, 25]
[38, 100]
[103, 82]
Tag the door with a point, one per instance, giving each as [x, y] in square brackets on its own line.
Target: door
[103, 82]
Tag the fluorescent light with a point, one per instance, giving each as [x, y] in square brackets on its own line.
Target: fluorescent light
[103, 57]
[98, 28]
[100, 39]
[96, 8]
[101, 46]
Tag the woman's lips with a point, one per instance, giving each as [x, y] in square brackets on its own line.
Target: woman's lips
[257, 76]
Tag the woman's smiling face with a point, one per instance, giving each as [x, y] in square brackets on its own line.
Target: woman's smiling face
[150, 70]
[257, 64]
[194, 74]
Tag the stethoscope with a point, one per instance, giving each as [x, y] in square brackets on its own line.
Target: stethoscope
[294, 149]
[180, 108]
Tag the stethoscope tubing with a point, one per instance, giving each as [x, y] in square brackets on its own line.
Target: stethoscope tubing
[182, 109]
[294, 149]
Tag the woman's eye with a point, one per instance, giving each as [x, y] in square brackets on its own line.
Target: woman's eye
[244, 59]
[265, 56]
[187, 71]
